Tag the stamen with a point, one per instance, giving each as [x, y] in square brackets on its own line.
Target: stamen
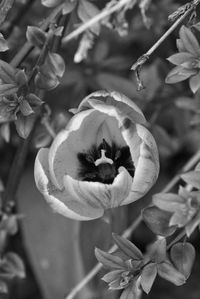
[103, 159]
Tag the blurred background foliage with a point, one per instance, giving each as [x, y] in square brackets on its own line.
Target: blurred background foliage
[57, 252]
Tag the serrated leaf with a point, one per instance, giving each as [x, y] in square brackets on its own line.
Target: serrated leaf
[189, 41]
[7, 73]
[194, 83]
[183, 257]
[180, 58]
[179, 74]
[7, 89]
[35, 36]
[25, 108]
[108, 260]
[56, 63]
[3, 44]
[128, 247]
[148, 276]
[192, 178]
[158, 221]
[167, 271]
[24, 125]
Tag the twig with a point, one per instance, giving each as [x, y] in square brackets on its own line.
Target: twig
[143, 58]
[102, 15]
[128, 232]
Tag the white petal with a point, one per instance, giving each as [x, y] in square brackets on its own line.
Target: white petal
[147, 166]
[115, 99]
[86, 129]
[99, 195]
[60, 201]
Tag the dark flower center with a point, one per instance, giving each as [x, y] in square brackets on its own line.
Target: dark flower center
[101, 164]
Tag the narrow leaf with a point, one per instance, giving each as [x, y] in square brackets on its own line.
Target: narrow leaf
[109, 260]
[128, 247]
[189, 41]
[180, 58]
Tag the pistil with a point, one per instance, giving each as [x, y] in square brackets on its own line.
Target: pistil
[103, 159]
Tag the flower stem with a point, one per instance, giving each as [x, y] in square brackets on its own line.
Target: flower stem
[128, 232]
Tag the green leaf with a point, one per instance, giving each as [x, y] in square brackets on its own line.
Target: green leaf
[190, 42]
[167, 271]
[180, 58]
[158, 221]
[35, 36]
[192, 178]
[194, 83]
[183, 257]
[7, 89]
[24, 125]
[179, 74]
[3, 44]
[148, 276]
[108, 260]
[7, 73]
[128, 247]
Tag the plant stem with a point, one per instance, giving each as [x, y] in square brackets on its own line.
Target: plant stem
[143, 58]
[102, 15]
[128, 232]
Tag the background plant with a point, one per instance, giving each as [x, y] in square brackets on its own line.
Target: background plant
[53, 53]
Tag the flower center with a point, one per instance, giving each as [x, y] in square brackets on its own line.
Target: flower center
[101, 164]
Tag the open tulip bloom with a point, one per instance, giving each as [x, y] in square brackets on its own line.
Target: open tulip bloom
[104, 158]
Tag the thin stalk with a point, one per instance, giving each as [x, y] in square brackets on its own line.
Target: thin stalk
[96, 19]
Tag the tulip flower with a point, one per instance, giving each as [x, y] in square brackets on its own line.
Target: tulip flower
[105, 158]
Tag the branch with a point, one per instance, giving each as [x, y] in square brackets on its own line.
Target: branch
[96, 19]
[128, 232]
[188, 8]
